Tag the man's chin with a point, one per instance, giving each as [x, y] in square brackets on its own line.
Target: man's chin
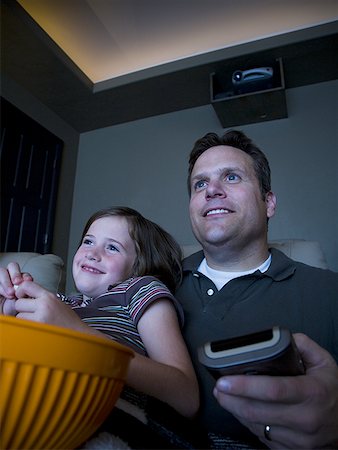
[216, 238]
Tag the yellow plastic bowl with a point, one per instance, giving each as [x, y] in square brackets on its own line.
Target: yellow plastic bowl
[57, 385]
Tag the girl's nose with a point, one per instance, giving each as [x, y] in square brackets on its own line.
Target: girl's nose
[92, 256]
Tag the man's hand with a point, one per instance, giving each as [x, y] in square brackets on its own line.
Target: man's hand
[302, 411]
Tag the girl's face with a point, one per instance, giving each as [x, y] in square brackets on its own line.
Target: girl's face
[105, 256]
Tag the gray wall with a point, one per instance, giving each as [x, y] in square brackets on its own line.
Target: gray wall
[143, 164]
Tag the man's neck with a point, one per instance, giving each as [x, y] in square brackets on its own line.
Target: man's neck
[230, 258]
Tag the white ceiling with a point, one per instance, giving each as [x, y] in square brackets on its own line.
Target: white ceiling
[108, 39]
[124, 40]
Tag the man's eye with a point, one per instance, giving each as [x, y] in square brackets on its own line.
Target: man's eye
[233, 178]
[199, 184]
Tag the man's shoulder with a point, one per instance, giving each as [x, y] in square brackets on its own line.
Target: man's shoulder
[282, 263]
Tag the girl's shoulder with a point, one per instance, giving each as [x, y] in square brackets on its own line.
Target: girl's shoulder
[134, 285]
[145, 280]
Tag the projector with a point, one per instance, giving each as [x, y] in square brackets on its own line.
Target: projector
[252, 79]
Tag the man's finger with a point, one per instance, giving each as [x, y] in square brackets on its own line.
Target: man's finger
[263, 387]
[313, 355]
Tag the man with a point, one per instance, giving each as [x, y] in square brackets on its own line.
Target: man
[237, 285]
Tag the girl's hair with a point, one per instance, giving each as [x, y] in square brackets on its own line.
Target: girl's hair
[157, 252]
[236, 139]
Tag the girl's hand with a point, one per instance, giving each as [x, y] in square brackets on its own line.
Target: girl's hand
[7, 306]
[10, 277]
[40, 305]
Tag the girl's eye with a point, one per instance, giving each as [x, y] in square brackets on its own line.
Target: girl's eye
[112, 248]
[233, 178]
[87, 241]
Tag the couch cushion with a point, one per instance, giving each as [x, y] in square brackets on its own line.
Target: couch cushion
[308, 252]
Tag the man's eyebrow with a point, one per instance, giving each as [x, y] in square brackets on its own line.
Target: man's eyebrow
[221, 170]
[198, 176]
[232, 169]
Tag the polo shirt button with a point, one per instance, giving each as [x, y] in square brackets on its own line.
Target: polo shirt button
[210, 292]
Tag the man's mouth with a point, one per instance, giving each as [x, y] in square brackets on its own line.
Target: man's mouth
[215, 212]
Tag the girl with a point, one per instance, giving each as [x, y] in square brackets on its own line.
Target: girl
[125, 270]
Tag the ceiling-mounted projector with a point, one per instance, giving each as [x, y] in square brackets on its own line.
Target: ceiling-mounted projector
[251, 79]
[247, 76]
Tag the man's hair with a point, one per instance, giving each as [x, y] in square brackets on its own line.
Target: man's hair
[236, 139]
[157, 252]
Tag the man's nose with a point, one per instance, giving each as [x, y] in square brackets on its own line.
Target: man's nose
[215, 189]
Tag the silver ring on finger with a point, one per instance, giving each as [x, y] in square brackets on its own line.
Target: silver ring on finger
[267, 431]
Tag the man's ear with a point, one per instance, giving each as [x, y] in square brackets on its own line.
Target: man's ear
[271, 202]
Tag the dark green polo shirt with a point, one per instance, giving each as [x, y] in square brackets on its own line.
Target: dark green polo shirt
[290, 294]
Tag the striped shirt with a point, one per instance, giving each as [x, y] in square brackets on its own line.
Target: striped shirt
[116, 313]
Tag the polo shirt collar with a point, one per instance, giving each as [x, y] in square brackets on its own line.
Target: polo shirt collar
[281, 266]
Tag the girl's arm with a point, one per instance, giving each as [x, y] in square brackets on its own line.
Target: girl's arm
[168, 373]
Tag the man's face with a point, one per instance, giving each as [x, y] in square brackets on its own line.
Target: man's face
[226, 203]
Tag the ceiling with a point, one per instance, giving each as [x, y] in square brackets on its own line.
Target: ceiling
[97, 63]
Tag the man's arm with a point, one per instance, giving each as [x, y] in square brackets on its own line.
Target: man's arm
[301, 411]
